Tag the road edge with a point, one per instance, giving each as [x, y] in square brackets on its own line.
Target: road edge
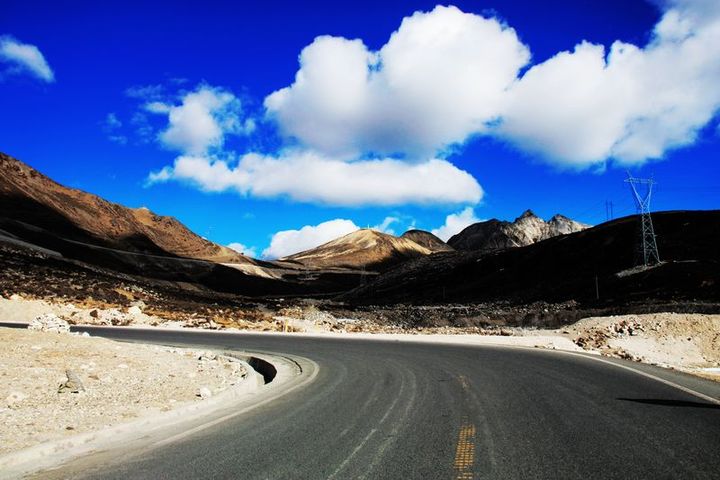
[55, 453]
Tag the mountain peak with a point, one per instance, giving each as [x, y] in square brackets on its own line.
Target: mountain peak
[527, 214]
[528, 228]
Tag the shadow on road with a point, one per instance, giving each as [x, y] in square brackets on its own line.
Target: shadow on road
[671, 403]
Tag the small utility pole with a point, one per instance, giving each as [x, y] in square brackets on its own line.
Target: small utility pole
[609, 210]
[597, 288]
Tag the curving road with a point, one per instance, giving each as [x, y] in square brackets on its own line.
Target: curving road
[395, 410]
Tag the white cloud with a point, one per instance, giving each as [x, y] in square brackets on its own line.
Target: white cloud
[384, 226]
[25, 57]
[242, 249]
[446, 75]
[456, 222]
[374, 127]
[437, 80]
[288, 242]
[632, 104]
[201, 121]
[307, 177]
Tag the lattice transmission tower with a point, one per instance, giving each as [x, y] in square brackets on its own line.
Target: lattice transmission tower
[642, 197]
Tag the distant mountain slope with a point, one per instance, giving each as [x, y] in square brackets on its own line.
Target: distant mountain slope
[578, 266]
[365, 248]
[427, 240]
[31, 198]
[525, 230]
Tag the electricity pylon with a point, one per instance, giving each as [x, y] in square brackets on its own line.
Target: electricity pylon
[642, 198]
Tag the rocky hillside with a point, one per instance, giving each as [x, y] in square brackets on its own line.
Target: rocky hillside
[527, 229]
[594, 266]
[32, 202]
[367, 249]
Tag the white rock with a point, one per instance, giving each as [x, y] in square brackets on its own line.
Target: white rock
[113, 316]
[204, 392]
[14, 398]
[135, 311]
[49, 322]
[122, 365]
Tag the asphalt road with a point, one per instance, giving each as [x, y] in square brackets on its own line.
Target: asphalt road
[395, 410]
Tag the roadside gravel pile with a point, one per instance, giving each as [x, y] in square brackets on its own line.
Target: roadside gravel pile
[686, 341]
[59, 384]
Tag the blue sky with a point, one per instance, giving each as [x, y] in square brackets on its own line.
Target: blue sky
[475, 111]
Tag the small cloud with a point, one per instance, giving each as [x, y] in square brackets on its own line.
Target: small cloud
[112, 122]
[202, 120]
[24, 57]
[143, 129]
[146, 92]
[384, 226]
[456, 222]
[157, 107]
[119, 139]
[110, 126]
[242, 249]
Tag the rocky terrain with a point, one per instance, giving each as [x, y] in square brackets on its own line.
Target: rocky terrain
[61, 384]
[493, 235]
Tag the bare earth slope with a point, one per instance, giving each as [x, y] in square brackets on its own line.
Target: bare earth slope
[427, 240]
[30, 197]
[525, 230]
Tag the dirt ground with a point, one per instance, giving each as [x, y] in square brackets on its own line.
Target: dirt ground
[121, 382]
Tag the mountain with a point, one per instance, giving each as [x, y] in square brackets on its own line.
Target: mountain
[64, 230]
[427, 240]
[581, 266]
[527, 229]
[32, 201]
[366, 249]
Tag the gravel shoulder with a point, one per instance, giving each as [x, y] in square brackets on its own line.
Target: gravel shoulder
[121, 382]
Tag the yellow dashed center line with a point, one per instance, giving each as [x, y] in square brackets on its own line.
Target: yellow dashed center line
[465, 452]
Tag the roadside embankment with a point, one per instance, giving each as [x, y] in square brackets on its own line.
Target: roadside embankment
[58, 385]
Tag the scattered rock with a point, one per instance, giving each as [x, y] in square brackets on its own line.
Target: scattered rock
[72, 384]
[49, 322]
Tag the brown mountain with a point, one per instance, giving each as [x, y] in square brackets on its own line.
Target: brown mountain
[427, 240]
[33, 203]
[527, 229]
[368, 249]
